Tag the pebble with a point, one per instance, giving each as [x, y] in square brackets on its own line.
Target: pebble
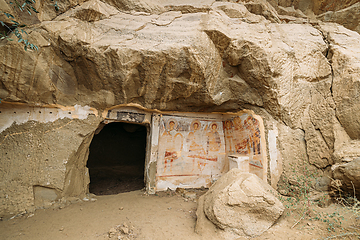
[124, 229]
[112, 232]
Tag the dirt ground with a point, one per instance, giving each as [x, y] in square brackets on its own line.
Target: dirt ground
[166, 215]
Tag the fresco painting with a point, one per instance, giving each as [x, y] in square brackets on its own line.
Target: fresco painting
[174, 144]
[191, 152]
[195, 152]
[243, 138]
[213, 142]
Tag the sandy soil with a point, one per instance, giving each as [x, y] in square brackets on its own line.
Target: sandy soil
[167, 215]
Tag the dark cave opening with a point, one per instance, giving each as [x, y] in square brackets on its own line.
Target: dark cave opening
[117, 158]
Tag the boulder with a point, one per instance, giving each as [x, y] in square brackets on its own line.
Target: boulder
[261, 7]
[347, 152]
[237, 10]
[349, 175]
[239, 204]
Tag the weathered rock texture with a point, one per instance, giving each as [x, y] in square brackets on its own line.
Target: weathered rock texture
[36, 157]
[348, 17]
[349, 175]
[302, 76]
[239, 204]
[315, 6]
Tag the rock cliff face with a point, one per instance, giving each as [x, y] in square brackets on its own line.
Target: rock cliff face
[300, 74]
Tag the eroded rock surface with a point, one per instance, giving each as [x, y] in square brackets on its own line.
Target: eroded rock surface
[349, 175]
[348, 17]
[298, 73]
[30, 149]
[240, 204]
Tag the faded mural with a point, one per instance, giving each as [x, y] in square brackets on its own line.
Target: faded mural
[243, 138]
[195, 152]
[191, 152]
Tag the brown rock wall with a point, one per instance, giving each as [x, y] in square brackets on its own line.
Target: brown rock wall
[43, 155]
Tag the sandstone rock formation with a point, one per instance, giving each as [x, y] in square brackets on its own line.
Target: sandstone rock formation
[348, 17]
[240, 204]
[349, 175]
[315, 6]
[299, 74]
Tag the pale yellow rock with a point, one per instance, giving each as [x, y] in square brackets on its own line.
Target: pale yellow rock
[313, 6]
[271, 57]
[261, 7]
[349, 175]
[322, 116]
[291, 11]
[317, 149]
[239, 204]
[237, 10]
[293, 159]
[166, 18]
[90, 11]
[187, 6]
[345, 55]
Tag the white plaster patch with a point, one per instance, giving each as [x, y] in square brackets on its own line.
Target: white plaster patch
[18, 115]
[154, 138]
[162, 185]
[272, 149]
[275, 165]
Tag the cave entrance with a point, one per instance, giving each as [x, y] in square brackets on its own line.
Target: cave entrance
[117, 158]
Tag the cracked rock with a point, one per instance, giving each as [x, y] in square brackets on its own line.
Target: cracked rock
[240, 204]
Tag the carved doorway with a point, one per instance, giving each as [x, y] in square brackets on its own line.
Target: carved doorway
[117, 158]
